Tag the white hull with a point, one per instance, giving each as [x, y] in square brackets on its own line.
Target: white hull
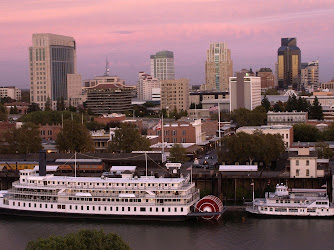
[293, 202]
[96, 209]
[325, 212]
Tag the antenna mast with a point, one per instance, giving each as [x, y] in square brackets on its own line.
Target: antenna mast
[106, 73]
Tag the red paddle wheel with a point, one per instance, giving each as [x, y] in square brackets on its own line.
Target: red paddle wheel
[209, 204]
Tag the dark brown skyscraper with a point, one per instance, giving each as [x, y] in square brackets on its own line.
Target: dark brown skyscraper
[289, 64]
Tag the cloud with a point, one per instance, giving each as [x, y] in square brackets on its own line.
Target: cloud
[123, 32]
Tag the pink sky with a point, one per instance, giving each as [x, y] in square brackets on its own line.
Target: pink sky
[128, 32]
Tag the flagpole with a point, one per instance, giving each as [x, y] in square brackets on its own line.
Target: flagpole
[162, 138]
[219, 119]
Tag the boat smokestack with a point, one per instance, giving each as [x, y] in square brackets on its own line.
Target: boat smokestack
[42, 163]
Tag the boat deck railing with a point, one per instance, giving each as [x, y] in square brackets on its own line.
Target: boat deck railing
[87, 203]
[105, 187]
[103, 195]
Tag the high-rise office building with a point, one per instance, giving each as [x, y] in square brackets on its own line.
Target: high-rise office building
[175, 95]
[310, 74]
[289, 64]
[162, 65]
[147, 87]
[245, 92]
[267, 78]
[51, 58]
[218, 67]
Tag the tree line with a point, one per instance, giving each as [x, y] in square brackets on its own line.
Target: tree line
[248, 148]
[301, 105]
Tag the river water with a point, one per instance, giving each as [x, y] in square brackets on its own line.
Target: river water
[235, 230]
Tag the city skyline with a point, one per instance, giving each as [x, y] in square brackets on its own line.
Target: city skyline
[100, 30]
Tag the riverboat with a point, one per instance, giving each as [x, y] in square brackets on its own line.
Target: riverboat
[293, 202]
[42, 194]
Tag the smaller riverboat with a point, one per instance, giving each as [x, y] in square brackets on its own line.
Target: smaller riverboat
[293, 202]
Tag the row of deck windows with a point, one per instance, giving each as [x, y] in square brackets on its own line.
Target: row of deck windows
[294, 210]
[288, 201]
[99, 208]
[120, 200]
[98, 184]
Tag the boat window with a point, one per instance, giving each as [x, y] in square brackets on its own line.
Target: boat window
[142, 209]
[76, 207]
[156, 209]
[163, 209]
[276, 201]
[81, 207]
[271, 209]
[128, 209]
[175, 209]
[70, 206]
[87, 207]
[181, 209]
[150, 209]
[110, 208]
[59, 206]
[135, 209]
[40, 205]
[116, 208]
[122, 208]
[169, 209]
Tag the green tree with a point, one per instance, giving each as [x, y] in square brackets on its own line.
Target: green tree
[292, 104]
[306, 133]
[178, 153]
[272, 92]
[279, 107]
[81, 240]
[50, 117]
[250, 147]
[33, 107]
[302, 105]
[74, 136]
[245, 117]
[48, 104]
[127, 139]
[323, 150]
[25, 96]
[23, 140]
[316, 110]
[61, 104]
[265, 103]
[3, 112]
[328, 134]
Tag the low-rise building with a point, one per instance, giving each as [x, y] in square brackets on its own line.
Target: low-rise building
[110, 118]
[267, 78]
[175, 95]
[286, 118]
[12, 92]
[245, 92]
[101, 139]
[49, 132]
[180, 132]
[198, 96]
[21, 107]
[148, 87]
[285, 131]
[304, 164]
[107, 98]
